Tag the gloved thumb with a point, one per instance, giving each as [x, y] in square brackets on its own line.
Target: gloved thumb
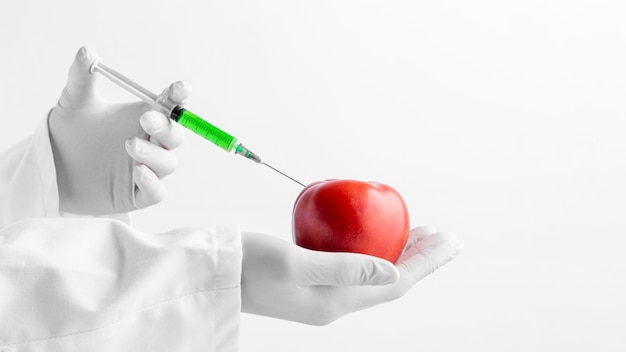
[347, 269]
[80, 87]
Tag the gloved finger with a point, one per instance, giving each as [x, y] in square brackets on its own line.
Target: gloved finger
[161, 161]
[80, 87]
[170, 135]
[344, 269]
[149, 189]
[162, 131]
[417, 234]
[426, 256]
[179, 92]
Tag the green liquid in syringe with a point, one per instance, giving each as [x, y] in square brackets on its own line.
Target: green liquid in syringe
[204, 129]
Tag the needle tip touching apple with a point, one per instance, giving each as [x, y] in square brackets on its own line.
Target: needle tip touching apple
[341, 215]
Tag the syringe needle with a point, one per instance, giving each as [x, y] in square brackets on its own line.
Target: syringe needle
[289, 177]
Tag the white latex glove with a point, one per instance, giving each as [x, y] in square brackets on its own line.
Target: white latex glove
[110, 158]
[285, 281]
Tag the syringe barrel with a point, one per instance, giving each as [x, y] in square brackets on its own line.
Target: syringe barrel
[204, 129]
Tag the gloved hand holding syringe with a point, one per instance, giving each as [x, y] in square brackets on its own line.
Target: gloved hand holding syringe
[183, 116]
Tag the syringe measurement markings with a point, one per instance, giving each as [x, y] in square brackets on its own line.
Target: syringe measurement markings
[208, 131]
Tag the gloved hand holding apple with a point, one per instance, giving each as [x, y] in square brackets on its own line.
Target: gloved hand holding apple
[354, 250]
[341, 215]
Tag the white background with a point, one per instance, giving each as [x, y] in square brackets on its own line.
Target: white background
[502, 121]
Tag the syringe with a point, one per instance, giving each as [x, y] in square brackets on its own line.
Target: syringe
[181, 115]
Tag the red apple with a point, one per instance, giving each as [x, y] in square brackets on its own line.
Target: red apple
[351, 216]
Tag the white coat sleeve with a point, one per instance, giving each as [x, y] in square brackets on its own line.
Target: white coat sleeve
[28, 186]
[100, 285]
[28, 183]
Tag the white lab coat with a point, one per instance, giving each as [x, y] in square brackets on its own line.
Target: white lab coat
[97, 284]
